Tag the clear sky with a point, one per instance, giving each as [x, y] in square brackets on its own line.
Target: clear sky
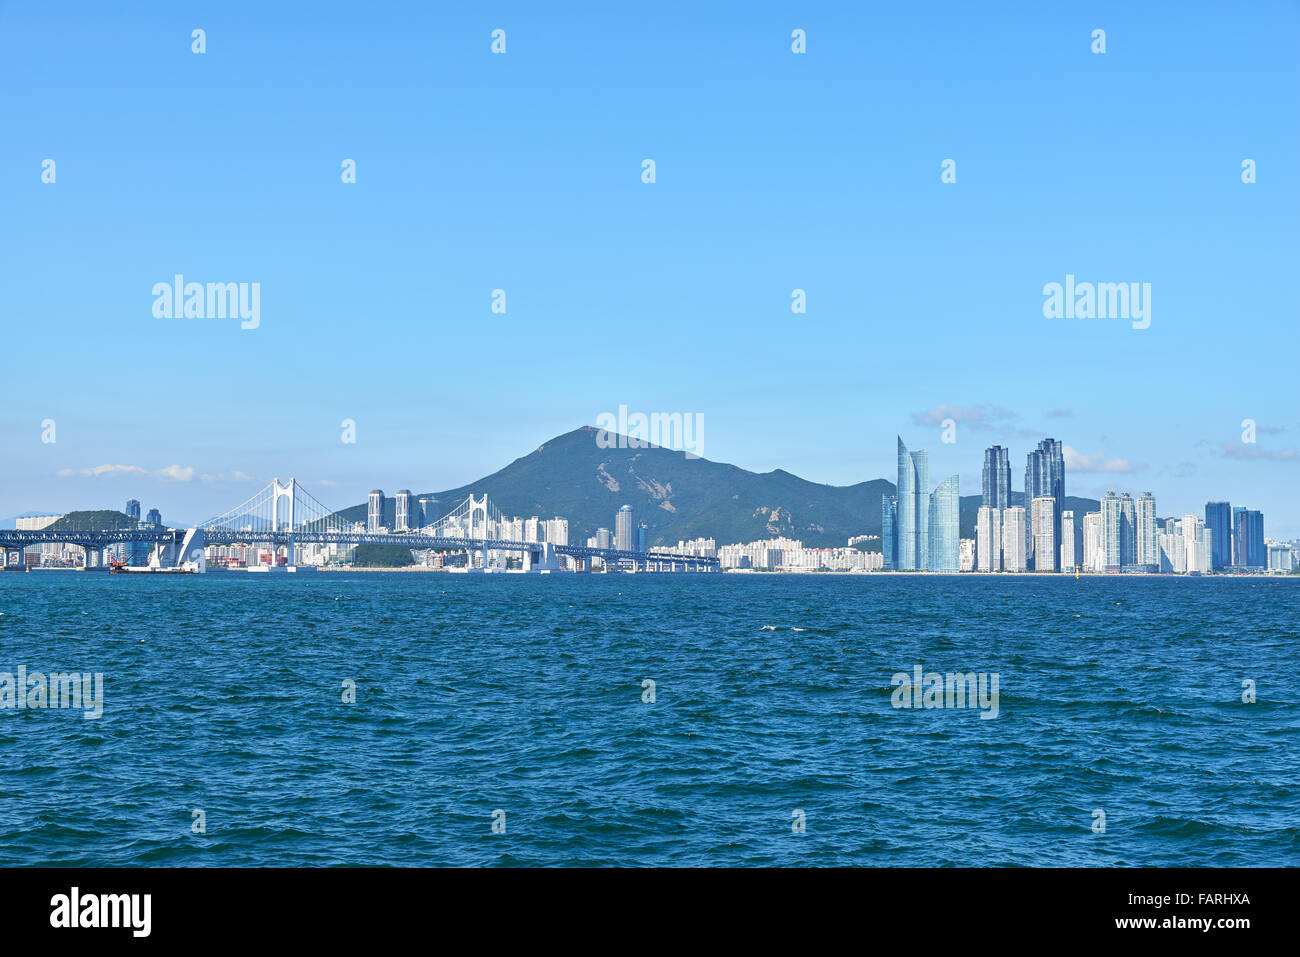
[523, 172]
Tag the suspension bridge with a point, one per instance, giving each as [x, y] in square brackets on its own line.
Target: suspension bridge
[284, 515]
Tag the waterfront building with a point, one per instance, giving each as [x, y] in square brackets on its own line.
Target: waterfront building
[889, 531]
[375, 511]
[402, 522]
[624, 530]
[988, 539]
[1094, 551]
[1043, 520]
[1218, 518]
[428, 510]
[1248, 549]
[945, 527]
[1145, 541]
[1069, 542]
[1013, 539]
[913, 508]
[1044, 475]
[967, 558]
[997, 478]
[1280, 557]
[557, 531]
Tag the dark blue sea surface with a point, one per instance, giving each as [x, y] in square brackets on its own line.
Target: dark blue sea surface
[524, 694]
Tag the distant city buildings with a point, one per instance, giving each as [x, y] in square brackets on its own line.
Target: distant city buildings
[913, 523]
[133, 509]
[624, 530]
[1044, 476]
[403, 517]
[944, 552]
[375, 511]
[154, 517]
[997, 478]
[1218, 519]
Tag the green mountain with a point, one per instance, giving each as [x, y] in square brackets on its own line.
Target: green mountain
[93, 520]
[678, 497]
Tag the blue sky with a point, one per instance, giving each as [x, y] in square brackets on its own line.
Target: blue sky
[522, 172]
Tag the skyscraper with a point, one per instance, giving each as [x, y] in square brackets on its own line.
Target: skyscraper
[1147, 553]
[624, 530]
[889, 530]
[1069, 543]
[375, 511]
[1218, 519]
[988, 539]
[913, 508]
[402, 523]
[1248, 548]
[1094, 550]
[1044, 475]
[154, 517]
[133, 509]
[428, 510]
[1013, 539]
[1114, 532]
[997, 478]
[1043, 518]
[945, 527]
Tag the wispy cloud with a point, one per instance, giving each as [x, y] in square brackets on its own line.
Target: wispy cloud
[1059, 413]
[1240, 450]
[1076, 461]
[977, 417]
[174, 473]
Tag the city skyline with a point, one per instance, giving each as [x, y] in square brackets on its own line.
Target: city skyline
[775, 193]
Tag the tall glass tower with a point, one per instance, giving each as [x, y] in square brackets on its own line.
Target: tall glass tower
[913, 508]
[889, 530]
[1044, 475]
[625, 530]
[1218, 519]
[997, 478]
[945, 527]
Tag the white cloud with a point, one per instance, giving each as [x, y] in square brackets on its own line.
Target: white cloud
[1076, 461]
[1234, 450]
[974, 417]
[174, 473]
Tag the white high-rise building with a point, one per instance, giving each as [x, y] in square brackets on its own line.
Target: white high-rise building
[557, 531]
[1094, 549]
[1068, 538]
[988, 539]
[966, 555]
[402, 522]
[375, 511]
[1044, 518]
[1197, 543]
[1147, 553]
[1013, 539]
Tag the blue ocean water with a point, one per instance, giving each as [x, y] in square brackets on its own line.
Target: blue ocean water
[524, 694]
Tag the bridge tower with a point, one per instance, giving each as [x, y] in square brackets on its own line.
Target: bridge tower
[278, 492]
